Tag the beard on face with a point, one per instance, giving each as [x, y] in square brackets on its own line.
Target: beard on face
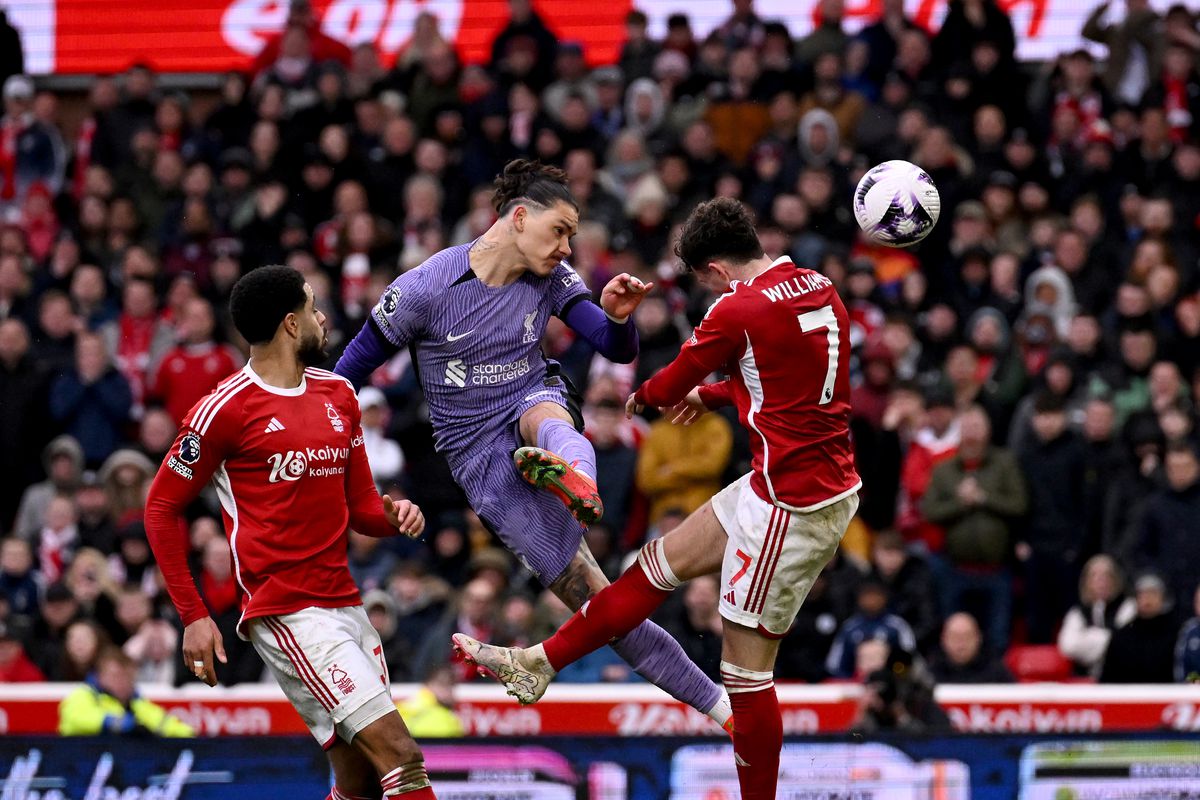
[312, 350]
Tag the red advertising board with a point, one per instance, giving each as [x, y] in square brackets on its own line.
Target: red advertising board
[80, 36]
[642, 710]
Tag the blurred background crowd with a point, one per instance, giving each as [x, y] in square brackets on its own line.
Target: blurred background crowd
[1025, 381]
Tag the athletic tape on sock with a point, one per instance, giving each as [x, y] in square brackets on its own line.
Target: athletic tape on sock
[654, 564]
[738, 680]
[405, 778]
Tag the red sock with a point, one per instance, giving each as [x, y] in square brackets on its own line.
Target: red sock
[419, 794]
[612, 613]
[757, 730]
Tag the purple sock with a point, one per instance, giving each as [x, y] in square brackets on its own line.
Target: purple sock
[560, 437]
[658, 658]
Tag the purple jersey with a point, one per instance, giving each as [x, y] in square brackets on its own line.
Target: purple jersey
[478, 347]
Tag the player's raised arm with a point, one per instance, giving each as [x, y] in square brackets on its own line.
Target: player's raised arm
[190, 463]
[395, 321]
[712, 345]
[609, 327]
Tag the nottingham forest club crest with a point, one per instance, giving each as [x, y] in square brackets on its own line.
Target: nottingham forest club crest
[334, 419]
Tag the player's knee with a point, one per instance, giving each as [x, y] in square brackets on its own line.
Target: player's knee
[404, 751]
[386, 742]
[386, 754]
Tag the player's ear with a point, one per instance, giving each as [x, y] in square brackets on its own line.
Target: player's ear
[291, 324]
[520, 214]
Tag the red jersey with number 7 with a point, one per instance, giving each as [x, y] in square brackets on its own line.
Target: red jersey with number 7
[784, 339]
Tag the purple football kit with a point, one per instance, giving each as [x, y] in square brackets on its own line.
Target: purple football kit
[477, 351]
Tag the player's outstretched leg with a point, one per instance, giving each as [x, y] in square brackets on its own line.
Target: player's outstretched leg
[525, 673]
[658, 657]
[618, 611]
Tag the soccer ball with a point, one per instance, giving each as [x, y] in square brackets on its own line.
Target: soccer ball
[896, 204]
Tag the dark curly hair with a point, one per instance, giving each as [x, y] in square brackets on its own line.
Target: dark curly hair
[262, 298]
[722, 228]
[533, 182]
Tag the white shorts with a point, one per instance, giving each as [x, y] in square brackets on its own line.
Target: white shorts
[774, 555]
[329, 663]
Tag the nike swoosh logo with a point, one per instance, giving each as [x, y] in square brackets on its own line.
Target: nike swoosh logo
[450, 337]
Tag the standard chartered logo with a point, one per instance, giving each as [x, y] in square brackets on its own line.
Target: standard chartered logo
[460, 374]
[456, 372]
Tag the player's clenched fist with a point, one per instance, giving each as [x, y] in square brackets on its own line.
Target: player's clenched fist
[405, 515]
[622, 295]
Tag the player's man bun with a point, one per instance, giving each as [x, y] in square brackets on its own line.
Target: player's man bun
[718, 229]
[534, 183]
[262, 298]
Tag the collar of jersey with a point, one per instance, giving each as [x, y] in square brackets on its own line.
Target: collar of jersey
[295, 392]
[774, 264]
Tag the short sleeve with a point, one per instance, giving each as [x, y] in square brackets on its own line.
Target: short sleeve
[403, 310]
[566, 286]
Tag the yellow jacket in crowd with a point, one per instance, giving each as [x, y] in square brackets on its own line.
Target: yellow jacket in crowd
[88, 711]
[681, 466]
[426, 717]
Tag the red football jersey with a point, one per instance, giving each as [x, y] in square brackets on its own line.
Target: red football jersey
[784, 339]
[189, 372]
[291, 473]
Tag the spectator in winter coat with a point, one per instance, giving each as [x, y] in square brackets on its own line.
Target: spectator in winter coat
[92, 401]
[138, 337]
[934, 442]
[962, 658]
[1103, 607]
[1134, 40]
[1144, 650]
[1052, 461]
[1170, 542]
[681, 466]
[30, 158]
[909, 583]
[978, 495]
[63, 461]
[873, 621]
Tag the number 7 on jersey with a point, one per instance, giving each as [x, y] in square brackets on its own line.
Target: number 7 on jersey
[812, 321]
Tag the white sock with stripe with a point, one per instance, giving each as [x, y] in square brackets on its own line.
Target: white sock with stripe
[653, 561]
[738, 680]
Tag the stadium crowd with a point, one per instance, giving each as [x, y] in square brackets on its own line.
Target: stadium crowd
[1025, 380]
